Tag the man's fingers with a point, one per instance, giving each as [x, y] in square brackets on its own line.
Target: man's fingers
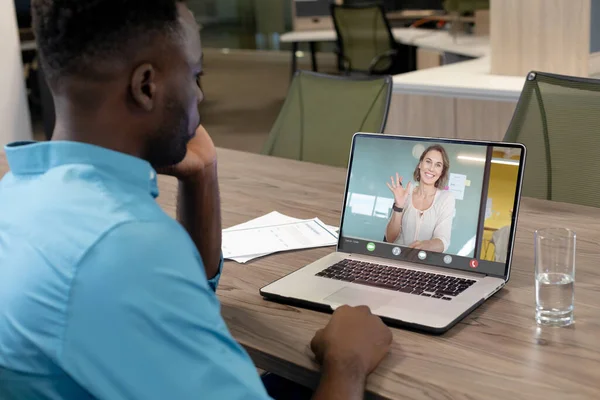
[364, 309]
[389, 336]
[315, 343]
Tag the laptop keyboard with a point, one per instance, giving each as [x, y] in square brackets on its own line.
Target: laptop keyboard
[419, 283]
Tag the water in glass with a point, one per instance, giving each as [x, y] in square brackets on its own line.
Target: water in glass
[555, 296]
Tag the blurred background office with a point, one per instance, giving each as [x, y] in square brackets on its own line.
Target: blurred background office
[442, 68]
[247, 66]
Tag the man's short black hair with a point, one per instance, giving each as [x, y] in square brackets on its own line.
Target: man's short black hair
[75, 35]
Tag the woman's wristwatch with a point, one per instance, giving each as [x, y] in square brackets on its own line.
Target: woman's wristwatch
[397, 209]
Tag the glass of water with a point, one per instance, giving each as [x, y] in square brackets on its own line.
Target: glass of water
[554, 276]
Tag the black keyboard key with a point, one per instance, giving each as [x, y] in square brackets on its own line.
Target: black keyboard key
[376, 284]
[425, 294]
[444, 293]
[406, 290]
[446, 298]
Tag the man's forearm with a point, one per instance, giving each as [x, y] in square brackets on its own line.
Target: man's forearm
[340, 383]
[199, 211]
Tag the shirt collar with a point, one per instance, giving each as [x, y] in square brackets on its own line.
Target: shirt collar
[26, 158]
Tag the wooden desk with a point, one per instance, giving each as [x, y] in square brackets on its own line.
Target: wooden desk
[497, 352]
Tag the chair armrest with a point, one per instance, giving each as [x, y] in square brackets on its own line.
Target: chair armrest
[346, 63]
[388, 54]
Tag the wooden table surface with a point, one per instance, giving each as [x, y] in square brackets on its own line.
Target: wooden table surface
[497, 352]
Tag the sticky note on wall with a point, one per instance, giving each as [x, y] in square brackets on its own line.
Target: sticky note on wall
[467, 183]
[456, 182]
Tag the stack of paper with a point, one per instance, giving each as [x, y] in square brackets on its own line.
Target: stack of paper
[272, 233]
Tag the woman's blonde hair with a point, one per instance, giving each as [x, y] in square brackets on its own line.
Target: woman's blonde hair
[443, 180]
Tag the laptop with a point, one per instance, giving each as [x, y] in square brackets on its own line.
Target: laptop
[426, 235]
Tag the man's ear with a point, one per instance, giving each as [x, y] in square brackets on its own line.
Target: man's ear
[143, 86]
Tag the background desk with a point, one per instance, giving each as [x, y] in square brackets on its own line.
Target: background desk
[469, 46]
[497, 352]
[459, 100]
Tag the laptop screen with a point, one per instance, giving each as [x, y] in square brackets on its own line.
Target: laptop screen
[440, 202]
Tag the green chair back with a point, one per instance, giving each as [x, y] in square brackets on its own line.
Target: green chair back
[322, 112]
[558, 120]
[363, 34]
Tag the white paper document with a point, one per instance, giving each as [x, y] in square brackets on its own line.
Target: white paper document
[272, 233]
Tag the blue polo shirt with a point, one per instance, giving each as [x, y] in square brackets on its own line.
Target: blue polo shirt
[103, 295]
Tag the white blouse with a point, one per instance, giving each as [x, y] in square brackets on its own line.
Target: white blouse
[433, 223]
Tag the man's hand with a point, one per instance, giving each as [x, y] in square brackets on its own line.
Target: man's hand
[353, 340]
[350, 347]
[201, 154]
[198, 201]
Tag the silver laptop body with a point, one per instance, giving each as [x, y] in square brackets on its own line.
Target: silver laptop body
[425, 290]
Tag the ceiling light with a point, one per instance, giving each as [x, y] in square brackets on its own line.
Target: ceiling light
[494, 160]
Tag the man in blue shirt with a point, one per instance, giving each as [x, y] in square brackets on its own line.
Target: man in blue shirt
[102, 295]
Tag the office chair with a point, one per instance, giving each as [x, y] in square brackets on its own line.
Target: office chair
[322, 112]
[558, 119]
[23, 11]
[366, 43]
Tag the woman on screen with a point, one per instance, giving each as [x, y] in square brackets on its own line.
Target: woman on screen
[422, 214]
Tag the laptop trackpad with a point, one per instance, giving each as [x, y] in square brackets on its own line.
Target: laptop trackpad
[356, 297]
